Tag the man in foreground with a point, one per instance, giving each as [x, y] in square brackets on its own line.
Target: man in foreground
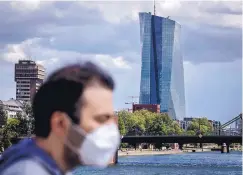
[74, 125]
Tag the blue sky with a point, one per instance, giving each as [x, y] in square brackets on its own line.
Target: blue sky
[58, 33]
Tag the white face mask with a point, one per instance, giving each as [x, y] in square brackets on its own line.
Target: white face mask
[99, 146]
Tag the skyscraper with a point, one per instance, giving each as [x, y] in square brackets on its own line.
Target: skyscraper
[28, 77]
[162, 73]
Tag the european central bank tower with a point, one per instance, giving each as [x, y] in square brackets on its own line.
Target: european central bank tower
[162, 73]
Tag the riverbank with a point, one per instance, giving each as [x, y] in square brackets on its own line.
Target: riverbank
[147, 152]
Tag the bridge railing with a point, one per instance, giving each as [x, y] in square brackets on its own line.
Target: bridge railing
[227, 132]
[157, 134]
[230, 131]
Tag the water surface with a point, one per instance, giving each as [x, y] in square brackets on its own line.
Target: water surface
[205, 163]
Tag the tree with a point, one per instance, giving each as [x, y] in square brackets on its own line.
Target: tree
[8, 131]
[200, 126]
[12, 127]
[3, 116]
[121, 126]
[190, 133]
[144, 122]
[27, 108]
[5, 139]
[177, 128]
[162, 125]
[23, 126]
[135, 124]
[126, 116]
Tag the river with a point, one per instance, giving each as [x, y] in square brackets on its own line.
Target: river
[205, 163]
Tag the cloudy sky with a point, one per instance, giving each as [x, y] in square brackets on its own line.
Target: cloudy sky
[58, 33]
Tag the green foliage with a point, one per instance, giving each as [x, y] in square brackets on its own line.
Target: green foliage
[12, 127]
[121, 125]
[3, 116]
[16, 127]
[9, 131]
[23, 126]
[27, 108]
[190, 133]
[5, 139]
[144, 122]
[200, 126]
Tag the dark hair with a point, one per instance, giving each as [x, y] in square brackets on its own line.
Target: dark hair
[63, 91]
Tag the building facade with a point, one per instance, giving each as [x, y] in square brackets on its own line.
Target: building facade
[238, 125]
[28, 77]
[215, 125]
[150, 107]
[12, 107]
[162, 73]
[186, 122]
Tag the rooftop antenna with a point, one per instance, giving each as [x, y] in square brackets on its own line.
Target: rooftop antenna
[28, 54]
[154, 8]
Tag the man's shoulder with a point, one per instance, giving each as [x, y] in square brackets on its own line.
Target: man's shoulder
[25, 167]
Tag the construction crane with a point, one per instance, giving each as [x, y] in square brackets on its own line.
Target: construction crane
[133, 97]
[132, 102]
[154, 8]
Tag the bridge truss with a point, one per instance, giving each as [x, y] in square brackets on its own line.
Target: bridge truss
[236, 131]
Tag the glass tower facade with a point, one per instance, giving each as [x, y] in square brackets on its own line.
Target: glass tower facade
[162, 73]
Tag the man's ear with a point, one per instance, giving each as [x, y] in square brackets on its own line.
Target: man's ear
[59, 123]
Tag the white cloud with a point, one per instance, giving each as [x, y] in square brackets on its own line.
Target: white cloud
[14, 52]
[68, 30]
[29, 5]
[32, 49]
[120, 12]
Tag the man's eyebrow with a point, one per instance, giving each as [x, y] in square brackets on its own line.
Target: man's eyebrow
[103, 115]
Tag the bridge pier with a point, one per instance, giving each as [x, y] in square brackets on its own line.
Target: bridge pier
[201, 146]
[228, 147]
[225, 148]
[180, 146]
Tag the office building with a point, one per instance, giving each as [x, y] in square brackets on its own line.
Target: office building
[162, 73]
[28, 77]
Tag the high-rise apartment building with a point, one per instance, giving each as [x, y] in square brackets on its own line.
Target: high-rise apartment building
[28, 77]
[162, 73]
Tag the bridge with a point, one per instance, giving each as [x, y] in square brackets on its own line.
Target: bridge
[182, 139]
[220, 140]
[220, 136]
[235, 131]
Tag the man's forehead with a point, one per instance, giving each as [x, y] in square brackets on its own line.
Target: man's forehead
[98, 97]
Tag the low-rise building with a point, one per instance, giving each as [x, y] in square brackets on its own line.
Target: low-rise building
[150, 107]
[12, 107]
[215, 125]
[186, 122]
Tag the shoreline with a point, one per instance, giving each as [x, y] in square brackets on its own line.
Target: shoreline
[148, 152]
